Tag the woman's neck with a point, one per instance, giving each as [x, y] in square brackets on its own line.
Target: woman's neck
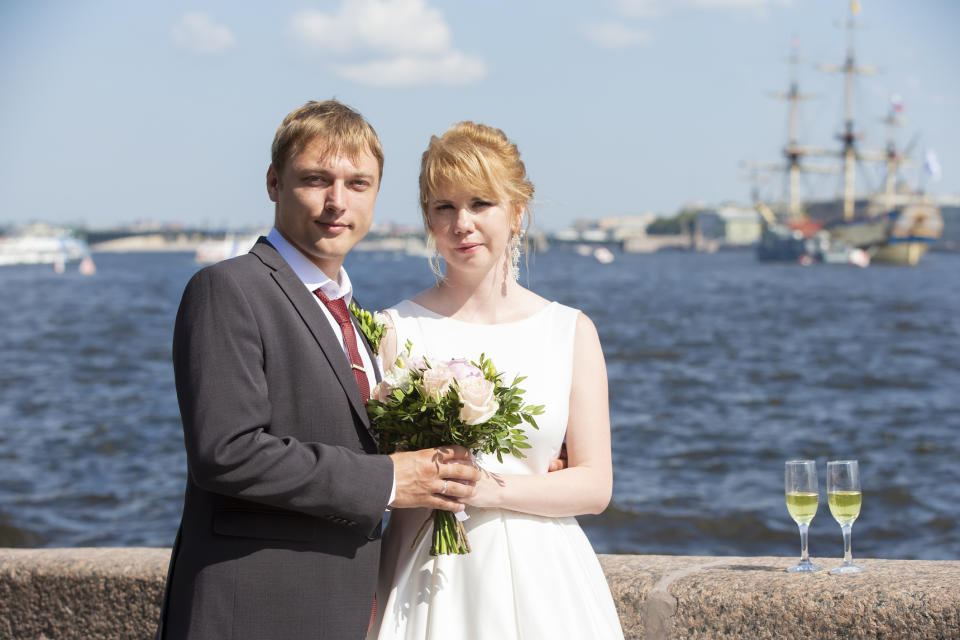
[481, 298]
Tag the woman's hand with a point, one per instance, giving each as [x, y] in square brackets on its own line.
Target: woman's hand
[487, 490]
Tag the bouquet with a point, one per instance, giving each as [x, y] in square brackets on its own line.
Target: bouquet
[422, 404]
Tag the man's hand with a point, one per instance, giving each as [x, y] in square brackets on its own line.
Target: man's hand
[561, 462]
[434, 478]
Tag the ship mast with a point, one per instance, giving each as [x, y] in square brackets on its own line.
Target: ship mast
[792, 151]
[893, 157]
[849, 135]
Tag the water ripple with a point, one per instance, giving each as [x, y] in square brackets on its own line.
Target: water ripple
[719, 369]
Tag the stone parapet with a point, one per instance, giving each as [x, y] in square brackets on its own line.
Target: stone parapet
[115, 593]
[662, 597]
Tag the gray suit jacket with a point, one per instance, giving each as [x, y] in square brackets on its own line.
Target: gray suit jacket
[279, 537]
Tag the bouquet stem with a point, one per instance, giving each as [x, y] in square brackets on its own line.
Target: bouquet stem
[449, 535]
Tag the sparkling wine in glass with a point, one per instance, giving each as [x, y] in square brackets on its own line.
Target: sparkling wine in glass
[803, 496]
[844, 498]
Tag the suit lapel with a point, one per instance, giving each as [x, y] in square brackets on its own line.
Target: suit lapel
[306, 306]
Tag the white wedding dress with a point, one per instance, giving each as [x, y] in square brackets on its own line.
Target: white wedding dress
[527, 577]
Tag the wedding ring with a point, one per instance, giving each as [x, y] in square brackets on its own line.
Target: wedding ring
[444, 489]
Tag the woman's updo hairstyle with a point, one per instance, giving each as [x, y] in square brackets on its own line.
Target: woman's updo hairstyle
[480, 158]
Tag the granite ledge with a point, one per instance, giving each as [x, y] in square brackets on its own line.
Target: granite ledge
[115, 593]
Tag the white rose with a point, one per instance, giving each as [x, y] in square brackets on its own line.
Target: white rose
[479, 405]
[397, 378]
[436, 380]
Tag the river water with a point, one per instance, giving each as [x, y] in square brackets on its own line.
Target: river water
[720, 370]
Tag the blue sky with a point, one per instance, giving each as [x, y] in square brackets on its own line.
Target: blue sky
[115, 111]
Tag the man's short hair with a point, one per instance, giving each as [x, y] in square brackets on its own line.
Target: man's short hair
[346, 131]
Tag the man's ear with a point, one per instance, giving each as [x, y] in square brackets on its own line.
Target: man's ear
[273, 184]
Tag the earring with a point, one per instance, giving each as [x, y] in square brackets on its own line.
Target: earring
[515, 242]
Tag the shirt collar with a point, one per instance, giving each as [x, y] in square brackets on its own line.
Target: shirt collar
[310, 274]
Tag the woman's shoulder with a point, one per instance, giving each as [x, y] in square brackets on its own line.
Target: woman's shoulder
[417, 305]
[406, 308]
[570, 314]
[574, 321]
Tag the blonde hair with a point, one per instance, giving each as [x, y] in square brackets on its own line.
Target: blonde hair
[345, 130]
[480, 158]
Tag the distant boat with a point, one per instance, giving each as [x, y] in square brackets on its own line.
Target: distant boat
[839, 253]
[603, 255]
[211, 251]
[87, 267]
[42, 244]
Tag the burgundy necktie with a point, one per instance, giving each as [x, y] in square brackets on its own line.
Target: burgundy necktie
[340, 313]
[338, 308]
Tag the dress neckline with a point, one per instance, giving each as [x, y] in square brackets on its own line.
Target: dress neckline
[440, 316]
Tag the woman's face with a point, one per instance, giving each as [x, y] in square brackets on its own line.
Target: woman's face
[471, 230]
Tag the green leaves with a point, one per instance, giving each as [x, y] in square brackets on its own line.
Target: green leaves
[414, 419]
[373, 330]
[410, 419]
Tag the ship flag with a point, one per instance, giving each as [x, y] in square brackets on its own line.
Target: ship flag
[932, 165]
[896, 103]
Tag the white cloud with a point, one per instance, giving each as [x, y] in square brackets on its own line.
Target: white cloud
[451, 69]
[197, 32]
[390, 43]
[614, 35]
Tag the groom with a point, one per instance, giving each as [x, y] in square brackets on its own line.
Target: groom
[285, 491]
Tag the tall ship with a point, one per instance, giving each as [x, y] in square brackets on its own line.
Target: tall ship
[895, 225]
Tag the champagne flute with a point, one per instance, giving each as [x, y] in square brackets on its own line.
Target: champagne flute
[844, 498]
[803, 496]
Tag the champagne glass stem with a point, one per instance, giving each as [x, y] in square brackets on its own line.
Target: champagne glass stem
[847, 543]
[803, 543]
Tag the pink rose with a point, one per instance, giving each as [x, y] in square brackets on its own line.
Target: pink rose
[479, 404]
[437, 380]
[463, 369]
[415, 364]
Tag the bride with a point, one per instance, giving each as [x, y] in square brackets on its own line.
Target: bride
[531, 572]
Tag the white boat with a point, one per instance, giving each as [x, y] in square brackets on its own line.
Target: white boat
[41, 244]
[839, 253]
[603, 255]
[231, 246]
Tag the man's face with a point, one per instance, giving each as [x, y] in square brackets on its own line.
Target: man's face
[324, 207]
